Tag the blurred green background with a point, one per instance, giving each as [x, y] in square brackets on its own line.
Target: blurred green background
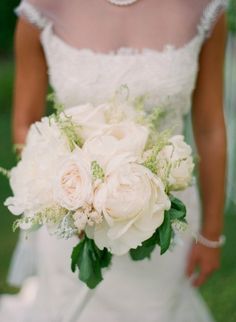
[219, 292]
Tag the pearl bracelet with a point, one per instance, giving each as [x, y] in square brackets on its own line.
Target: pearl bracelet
[211, 243]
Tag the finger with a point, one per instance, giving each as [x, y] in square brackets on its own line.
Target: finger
[201, 278]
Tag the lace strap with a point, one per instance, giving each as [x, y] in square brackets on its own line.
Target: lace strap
[32, 14]
[210, 15]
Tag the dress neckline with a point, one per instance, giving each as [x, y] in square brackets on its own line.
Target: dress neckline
[122, 51]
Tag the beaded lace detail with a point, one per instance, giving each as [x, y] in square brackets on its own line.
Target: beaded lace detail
[34, 16]
[210, 15]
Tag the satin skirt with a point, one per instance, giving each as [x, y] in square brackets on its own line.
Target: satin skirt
[154, 290]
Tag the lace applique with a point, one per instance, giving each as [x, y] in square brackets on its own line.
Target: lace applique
[210, 15]
[33, 15]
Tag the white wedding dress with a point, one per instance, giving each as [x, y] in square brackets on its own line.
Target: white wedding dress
[153, 290]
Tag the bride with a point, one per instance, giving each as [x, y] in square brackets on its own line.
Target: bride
[174, 51]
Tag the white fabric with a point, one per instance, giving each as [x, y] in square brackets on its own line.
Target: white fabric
[155, 290]
[24, 261]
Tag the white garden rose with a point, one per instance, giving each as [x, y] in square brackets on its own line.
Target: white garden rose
[116, 139]
[179, 155]
[133, 201]
[32, 179]
[89, 118]
[73, 183]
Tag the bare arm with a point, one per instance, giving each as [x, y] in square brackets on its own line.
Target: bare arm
[30, 79]
[210, 136]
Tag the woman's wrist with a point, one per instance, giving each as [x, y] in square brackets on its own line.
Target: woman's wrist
[212, 234]
[212, 225]
[211, 243]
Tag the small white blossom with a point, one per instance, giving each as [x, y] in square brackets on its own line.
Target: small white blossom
[179, 226]
[80, 220]
[96, 217]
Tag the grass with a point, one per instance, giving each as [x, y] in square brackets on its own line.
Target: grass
[219, 292]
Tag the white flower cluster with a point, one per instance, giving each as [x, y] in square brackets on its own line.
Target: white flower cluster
[114, 190]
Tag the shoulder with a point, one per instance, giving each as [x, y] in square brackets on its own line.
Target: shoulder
[38, 12]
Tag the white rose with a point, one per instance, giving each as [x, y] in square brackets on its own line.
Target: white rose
[179, 155]
[73, 183]
[89, 118]
[132, 201]
[32, 179]
[116, 139]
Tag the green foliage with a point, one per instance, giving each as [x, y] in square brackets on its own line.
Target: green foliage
[6, 85]
[165, 233]
[232, 16]
[90, 260]
[65, 122]
[7, 237]
[146, 249]
[177, 210]
[7, 25]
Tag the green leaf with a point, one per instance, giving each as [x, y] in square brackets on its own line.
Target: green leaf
[105, 259]
[165, 233]
[75, 255]
[145, 250]
[177, 210]
[178, 204]
[89, 269]
[176, 214]
[90, 260]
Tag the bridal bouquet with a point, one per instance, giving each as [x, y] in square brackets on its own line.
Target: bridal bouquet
[104, 174]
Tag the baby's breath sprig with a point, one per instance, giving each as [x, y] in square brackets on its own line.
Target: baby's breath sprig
[121, 94]
[50, 215]
[66, 228]
[97, 171]
[152, 162]
[65, 123]
[70, 130]
[57, 106]
[158, 140]
[154, 118]
[139, 103]
[179, 225]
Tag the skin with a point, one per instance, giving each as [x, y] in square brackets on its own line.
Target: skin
[30, 80]
[210, 136]
[208, 122]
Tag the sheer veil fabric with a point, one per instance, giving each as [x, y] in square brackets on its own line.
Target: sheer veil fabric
[109, 27]
[230, 113]
[91, 48]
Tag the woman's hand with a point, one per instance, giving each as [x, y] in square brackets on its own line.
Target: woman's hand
[203, 261]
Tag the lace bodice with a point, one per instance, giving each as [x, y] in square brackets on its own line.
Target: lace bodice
[167, 76]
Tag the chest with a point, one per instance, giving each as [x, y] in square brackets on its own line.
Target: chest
[98, 25]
